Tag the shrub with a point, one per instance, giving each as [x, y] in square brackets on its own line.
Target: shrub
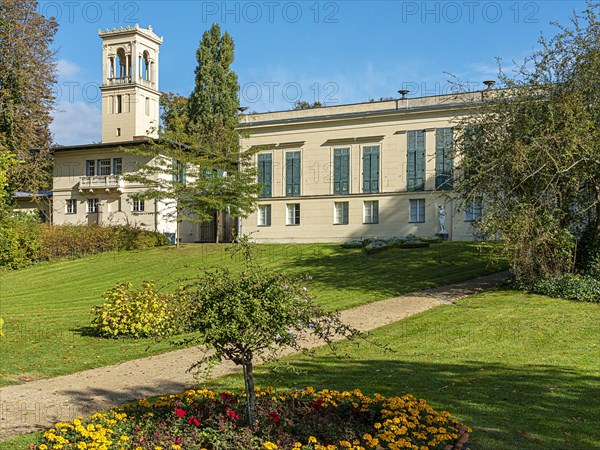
[572, 287]
[298, 419]
[20, 240]
[75, 241]
[146, 312]
[375, 247]
[588, 253]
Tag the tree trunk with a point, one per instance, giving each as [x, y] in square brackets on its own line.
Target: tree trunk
[217, 222]
[177, 228]
[250, 393]
[597, 207]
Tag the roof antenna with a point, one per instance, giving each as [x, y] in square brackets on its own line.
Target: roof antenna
[489, 83]
[403, 93]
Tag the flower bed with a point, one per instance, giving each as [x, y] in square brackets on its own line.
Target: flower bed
[298, 419]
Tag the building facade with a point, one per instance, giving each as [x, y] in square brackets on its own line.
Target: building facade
[347, 172]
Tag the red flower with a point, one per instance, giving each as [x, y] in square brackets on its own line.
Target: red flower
[194, 421]
[232, 414]
[274, 416]
[180, 412]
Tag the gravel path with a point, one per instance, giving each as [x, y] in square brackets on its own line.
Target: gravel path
[39, 404]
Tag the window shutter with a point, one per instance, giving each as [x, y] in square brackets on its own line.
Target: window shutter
[345, 213]
[89, 168]
[443, 158]
[265, 174]
[366, 171]
[375, 169]
[416, 161]
[341, 171]
[292, 173]
[375, 212]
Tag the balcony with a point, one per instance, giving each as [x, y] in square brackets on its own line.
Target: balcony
[118, 81]
[101, 182]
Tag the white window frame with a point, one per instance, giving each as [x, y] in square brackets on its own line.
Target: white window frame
[71, 206]
[339, 218]
[416, 210]
[292, 216]
[473, 209]
[105, 164]
[93, 205]
[138, 205]
[369, 212]
[264, 215]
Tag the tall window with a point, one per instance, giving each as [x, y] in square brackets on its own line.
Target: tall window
[119, 105]
[371, 212]
[71, 206]
[103, 167]
[417, 210]
[147, 106]
[90, 168]
[371, 168]
[264, 215]
[179, 172]
[93, 205]
[473, 210]
[292, 174]
[340, 213]
[138, 205]
[416, 161]
[341, 171]
[293, 214]
[444, 162]
[117, 166]
[265, 173]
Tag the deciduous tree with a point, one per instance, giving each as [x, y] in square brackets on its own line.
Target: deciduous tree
[27, 76]
[532, 151]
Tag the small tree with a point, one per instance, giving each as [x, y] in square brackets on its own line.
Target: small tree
[256, 314]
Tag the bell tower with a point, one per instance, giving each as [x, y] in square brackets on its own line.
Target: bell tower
[130, 96]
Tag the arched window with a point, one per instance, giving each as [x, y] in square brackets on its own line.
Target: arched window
[121, 63]
[146, 66]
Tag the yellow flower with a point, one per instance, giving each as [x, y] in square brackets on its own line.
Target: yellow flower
[270, 446]
[312, 440]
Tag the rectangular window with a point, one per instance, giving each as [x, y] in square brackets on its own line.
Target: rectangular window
[119, 105]
[90, 168]
[147, 106]
[444, 162]
[292, 174]
[71, 206]
[103, 167]
[473, 210]
[341, 171]
[371, 212]
[264, 215]
[179, 172]
[117, 166]
[340, 213]
[371, 168]
[416, 161]
[293, 214]
[138, 205]
[417, 210]
[265, 174]
[93, 205]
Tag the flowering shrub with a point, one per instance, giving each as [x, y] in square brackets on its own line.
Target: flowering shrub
[298, 419]
[128, 312]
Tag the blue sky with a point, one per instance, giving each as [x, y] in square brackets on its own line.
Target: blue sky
[335, 52]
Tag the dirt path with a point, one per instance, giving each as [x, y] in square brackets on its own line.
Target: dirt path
[39, 404]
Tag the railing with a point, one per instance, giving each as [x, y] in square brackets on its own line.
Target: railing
[118, 81]
[101, 182]
[146, 83]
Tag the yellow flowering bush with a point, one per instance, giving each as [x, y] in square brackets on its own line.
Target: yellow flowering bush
[300, 419]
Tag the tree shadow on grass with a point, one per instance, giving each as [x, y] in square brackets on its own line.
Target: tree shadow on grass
[509, 407]
[392, 272]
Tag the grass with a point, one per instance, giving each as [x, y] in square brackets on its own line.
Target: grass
[47, 307]
[521, 370]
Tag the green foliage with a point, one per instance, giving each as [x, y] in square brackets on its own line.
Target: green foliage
[256, 313]
[531, 150]
[588, 253]
[146, 312]
[583, 288]
[61, 241]
[20, 240]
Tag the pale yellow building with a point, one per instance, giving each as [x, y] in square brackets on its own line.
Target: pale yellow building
[346, 172]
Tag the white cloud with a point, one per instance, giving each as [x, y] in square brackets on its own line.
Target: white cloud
[67, 69]
[76, 123]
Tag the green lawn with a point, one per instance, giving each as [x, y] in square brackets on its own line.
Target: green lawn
[523, 371]
[47, 307]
